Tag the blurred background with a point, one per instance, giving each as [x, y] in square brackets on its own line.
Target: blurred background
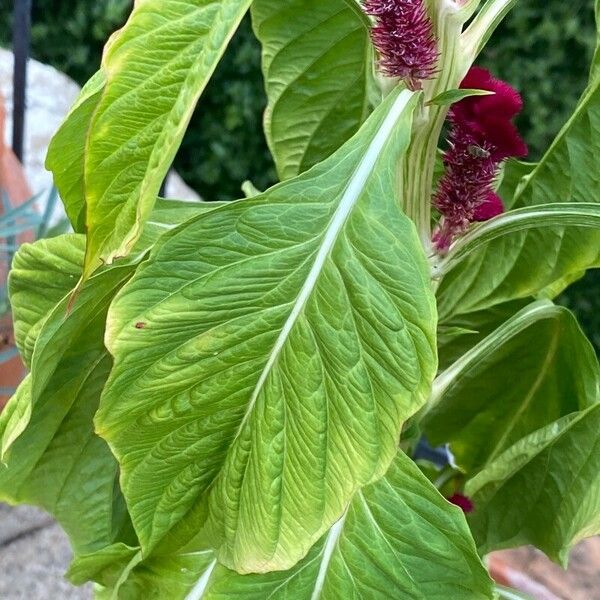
[544, 48]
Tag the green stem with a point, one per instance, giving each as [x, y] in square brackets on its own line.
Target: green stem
[418, 165]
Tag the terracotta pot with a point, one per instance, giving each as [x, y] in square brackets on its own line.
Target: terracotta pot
[13, 182]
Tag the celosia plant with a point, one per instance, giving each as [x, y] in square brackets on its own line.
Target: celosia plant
[235, 400]
[482, 136]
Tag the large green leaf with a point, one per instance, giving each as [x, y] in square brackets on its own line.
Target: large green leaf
[15, 416]
[156, 578]
[44, 272]
[155, 69]
[544, 490]
[398, 539]
[66, 324]
[270, 351]
[512, 177]
[41, 275]
[58, 463]
[464, 307]
[533, 370]
[317, 64]
[51, 455]
[497, 263]
[456, 336]
[60, 338]
[66, 153]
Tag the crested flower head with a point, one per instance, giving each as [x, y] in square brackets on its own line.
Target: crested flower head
[490, 207]
[403, 36]
[489, 118]
[482, 135]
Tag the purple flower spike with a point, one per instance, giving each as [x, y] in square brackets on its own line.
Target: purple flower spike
[403, 36]
[482, 135]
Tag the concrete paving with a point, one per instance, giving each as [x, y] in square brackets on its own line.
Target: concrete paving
[34, 556]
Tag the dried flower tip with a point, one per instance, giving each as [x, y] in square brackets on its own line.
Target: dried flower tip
[403, 36]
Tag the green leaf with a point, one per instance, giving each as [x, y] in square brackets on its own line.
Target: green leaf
[520, 254]
[51, 455]
[106, 566]
[271, 350]
[399, 538]
[159, 577]
[452, 96]
[155, 69]
[317, 63]
[544, 490]
[45, 272]
[64, 325]
[42, 275]
[513, 175]
[457, 335]
[66, 153]
[567, 172]
[15, 416]
[166, 215]
[508, 227]
[57, 462]
[48, 423]
[533, 370]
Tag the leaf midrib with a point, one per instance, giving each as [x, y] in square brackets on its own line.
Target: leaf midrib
[351, 195]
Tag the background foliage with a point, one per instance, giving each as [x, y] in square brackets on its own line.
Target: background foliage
[543, 48]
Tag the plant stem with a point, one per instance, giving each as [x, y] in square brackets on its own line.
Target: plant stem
[418, 165]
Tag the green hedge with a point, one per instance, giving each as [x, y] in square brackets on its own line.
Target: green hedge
[543, 48]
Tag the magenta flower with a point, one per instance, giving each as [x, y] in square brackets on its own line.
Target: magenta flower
[463, 502]
[489, 118]
[482, 135]
[491, 207]
[403, 36]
